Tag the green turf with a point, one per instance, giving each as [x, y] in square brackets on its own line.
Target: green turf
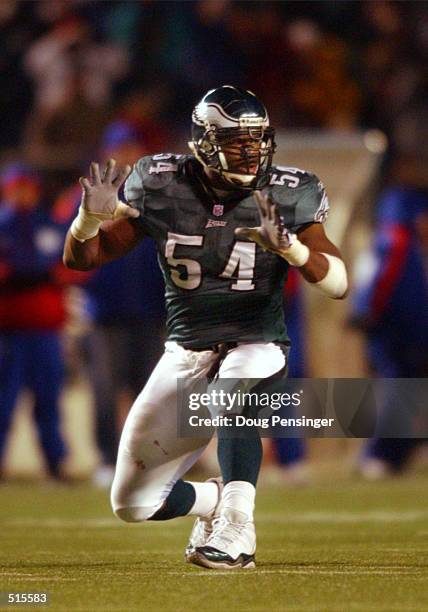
[336, 546]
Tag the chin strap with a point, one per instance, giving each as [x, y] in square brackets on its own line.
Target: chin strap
[238, 180]
[234, 179]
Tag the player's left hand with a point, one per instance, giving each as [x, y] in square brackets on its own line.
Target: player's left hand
[271, 234]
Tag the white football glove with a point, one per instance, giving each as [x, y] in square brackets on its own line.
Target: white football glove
[272, 235]
[100, 200]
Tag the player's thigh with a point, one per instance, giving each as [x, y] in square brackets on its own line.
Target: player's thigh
[151, 456]
[249, 367]
[152, 421]
[255, 361]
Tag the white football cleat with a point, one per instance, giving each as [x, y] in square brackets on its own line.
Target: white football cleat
[203, 526]
[232, 545]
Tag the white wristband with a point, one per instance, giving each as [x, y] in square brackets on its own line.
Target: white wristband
[335, 282]
[87, 224]
[297, 254]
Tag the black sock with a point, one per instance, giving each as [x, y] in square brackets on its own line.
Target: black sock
[178, 502]
[239, 458]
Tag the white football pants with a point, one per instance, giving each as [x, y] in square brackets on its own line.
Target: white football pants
[151, 456]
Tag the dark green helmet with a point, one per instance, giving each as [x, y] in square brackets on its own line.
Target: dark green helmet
[233, 117]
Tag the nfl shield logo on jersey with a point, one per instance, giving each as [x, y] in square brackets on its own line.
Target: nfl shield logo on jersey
[218, 210]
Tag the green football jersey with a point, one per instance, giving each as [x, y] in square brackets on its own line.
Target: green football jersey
[218, 288]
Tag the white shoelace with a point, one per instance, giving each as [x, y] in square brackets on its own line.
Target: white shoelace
[224, 532]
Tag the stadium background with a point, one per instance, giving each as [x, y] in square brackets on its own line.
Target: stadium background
[345, 85]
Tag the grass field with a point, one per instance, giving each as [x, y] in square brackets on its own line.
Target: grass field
[335, 546]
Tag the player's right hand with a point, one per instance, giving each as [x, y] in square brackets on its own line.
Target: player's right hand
[100, 192]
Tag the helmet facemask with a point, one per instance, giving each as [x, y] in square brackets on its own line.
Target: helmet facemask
[241, 156]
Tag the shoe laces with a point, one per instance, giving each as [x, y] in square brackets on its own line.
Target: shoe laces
[225, 530]
[205, 526]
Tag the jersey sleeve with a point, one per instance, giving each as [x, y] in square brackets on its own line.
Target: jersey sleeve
[149, 176]
[300, 196]
[134, 185]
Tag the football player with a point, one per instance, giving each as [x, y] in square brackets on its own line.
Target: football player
[227, 224]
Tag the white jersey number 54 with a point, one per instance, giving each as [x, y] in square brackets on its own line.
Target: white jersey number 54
[240, 266]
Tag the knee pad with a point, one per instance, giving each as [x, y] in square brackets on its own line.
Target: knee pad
[136, 514]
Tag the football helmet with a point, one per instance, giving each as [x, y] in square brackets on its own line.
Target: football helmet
[231, 135]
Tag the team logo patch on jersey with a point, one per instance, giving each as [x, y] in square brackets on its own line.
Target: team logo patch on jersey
[218, 210]
[215, 223]
[322, 212]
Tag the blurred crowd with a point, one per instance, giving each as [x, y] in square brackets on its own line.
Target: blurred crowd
[86, 79]
[72, 66]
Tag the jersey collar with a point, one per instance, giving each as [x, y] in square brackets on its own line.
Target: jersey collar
[206, 193]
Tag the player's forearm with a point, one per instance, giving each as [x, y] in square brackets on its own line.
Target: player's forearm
[324, 270]
[81, 255]
[316, 268]
[113, 240]
[328, 273]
